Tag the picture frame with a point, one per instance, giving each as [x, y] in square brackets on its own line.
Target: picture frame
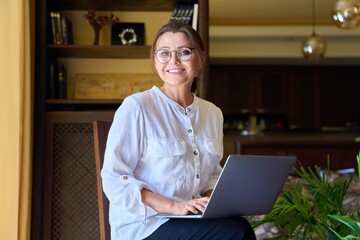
[128, 34]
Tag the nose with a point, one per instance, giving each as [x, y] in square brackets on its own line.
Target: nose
[174, 57]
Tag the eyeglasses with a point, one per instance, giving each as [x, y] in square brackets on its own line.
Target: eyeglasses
[164, 55]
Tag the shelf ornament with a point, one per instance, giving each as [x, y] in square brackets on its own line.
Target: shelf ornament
[131, 40]
[97, 22]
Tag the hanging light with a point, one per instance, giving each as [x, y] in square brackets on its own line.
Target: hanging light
[314, 46]
[346, 14]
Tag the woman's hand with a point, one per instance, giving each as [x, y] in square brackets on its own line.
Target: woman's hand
[193, 206]
[164, 205]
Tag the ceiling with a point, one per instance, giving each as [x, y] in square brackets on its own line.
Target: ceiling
[269, 12]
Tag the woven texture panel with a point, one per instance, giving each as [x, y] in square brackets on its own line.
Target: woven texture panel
[74, 194]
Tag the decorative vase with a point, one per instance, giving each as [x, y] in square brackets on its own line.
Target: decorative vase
[97, 34]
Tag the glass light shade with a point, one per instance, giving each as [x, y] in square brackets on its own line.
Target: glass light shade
[313, 47]
[346, 14]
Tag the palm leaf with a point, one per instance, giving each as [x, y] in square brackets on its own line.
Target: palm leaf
[349, 222]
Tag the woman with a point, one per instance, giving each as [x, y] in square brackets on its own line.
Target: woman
[164, 150]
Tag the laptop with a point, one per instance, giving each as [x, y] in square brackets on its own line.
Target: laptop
[248, 185]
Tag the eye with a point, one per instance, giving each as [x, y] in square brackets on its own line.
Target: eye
[164, 53]
[184, 52]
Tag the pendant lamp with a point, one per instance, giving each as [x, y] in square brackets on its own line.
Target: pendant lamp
[346, 14]
[314, 46]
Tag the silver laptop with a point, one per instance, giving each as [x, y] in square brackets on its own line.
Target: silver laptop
[248, 185]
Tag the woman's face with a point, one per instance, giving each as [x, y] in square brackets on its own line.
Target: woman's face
[177, 72]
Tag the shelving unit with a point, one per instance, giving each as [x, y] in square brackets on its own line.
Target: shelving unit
[58, 123]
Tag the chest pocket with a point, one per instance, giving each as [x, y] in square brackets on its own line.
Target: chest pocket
[214, 147]
[169, 147]
[167, 157]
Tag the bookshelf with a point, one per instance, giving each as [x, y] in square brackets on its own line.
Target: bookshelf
[79, 50]
[61, 121]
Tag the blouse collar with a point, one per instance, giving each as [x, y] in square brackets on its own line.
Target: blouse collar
[188, 110]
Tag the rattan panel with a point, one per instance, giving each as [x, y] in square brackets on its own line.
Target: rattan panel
[74, 194]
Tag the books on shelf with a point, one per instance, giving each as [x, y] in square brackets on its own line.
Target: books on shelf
[187, 13]
[66, 30]
[61, 29]
[56, 87]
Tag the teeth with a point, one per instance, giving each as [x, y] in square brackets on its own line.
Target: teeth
[175, 70]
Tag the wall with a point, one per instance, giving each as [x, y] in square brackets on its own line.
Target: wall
[15, 120]
[239, 43]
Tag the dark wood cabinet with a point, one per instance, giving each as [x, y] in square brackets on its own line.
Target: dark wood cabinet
[339, 90]
[270, 90]
[238, 90]
[248, 90]
[306, 97]
[302, 95]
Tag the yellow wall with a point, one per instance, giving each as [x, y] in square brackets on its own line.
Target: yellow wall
[9, 122]
[15, 119]
[279, 41]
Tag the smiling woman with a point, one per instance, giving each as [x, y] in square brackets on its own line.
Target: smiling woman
[15, 121]
[174, 145]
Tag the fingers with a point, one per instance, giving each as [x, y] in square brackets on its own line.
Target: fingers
[197, 205]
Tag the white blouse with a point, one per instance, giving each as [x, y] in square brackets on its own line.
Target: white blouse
[156, 144]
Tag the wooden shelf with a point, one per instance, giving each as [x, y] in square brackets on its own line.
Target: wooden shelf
[83, 101]
[82, 104]
[100, 51]
[120, 5]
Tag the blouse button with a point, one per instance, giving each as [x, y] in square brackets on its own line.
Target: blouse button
[197, 175]
[125, 178]
[189, 131]
[195, 153]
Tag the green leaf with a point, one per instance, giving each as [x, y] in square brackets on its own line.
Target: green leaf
[349, 222]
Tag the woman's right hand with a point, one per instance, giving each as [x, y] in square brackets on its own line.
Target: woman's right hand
[162, 204]
[193, 206]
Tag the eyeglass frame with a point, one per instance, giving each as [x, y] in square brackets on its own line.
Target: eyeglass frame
[177, 54]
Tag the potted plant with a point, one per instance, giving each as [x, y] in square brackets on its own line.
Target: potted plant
[311, 206]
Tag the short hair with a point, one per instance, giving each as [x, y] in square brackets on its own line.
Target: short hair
[194, 37]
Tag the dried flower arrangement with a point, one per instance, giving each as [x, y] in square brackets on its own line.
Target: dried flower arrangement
[97, 22]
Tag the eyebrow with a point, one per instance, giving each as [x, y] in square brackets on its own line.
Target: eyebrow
[183, 46]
